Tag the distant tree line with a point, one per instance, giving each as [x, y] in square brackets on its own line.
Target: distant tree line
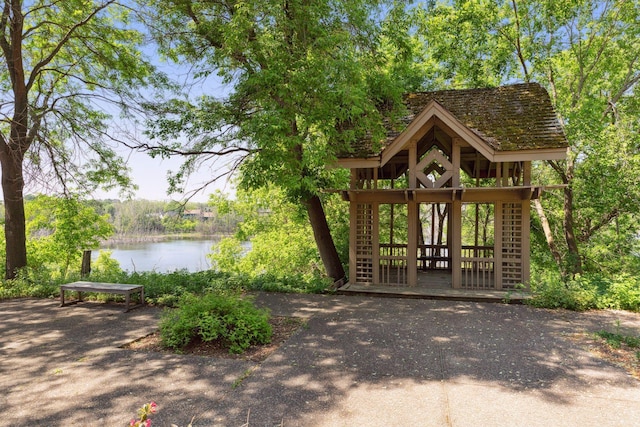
[147, 217]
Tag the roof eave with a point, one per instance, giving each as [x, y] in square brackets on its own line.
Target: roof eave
[358, 163]
[559, 153]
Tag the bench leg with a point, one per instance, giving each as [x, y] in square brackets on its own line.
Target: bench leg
[61, 297]
[127, 299]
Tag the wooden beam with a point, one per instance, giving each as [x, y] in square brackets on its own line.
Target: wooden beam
[445, 195]
[455, 160]
[413, 161]
[354, 163]
[529, 155]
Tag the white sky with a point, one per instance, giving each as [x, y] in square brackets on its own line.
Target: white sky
[150, 174]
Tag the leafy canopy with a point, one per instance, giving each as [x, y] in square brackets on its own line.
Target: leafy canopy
[305, 79]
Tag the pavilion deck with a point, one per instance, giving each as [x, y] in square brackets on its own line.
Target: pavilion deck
[436, 284]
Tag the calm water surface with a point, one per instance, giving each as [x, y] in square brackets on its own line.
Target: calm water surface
[169, 255]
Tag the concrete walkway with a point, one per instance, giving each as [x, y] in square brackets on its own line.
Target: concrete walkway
[358, 362]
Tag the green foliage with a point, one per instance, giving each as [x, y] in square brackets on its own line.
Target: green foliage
[59, 230]
[616, 339]
[587, 292]
[227, 317]
[552, 292]
[30, 283]
[621, 292]
[585, 53]
[106, 269]
[282, 249]
[288, 283]
[178, 224]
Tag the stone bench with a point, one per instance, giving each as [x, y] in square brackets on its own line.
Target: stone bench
[105, 288]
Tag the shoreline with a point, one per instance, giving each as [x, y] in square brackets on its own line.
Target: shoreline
[154, 238]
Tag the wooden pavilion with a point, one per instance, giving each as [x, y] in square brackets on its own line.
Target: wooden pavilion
[445, 202]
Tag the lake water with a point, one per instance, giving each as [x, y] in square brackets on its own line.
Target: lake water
[168, 255]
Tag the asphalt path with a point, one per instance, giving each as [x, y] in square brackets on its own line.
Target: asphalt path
[359, 361]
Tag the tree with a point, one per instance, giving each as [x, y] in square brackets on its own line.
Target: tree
[587, 54]
[62, 228]
[66, 65]
[308, 78]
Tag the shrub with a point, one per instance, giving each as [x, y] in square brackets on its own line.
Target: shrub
[622, 293]
[227, 317]
[30, 282]
[292, 283]
[551, 291]
[586, 292]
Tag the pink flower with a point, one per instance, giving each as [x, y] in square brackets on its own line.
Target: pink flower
[153, 407]
[132, 423]
[147, 423]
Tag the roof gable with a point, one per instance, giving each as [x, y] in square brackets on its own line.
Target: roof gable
[423, 122]
[498, 122]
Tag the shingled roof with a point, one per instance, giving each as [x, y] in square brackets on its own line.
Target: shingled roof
[507, 118]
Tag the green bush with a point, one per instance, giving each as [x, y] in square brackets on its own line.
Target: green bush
[621, 292]
[293, 283]
[589, 291]
[212, 316]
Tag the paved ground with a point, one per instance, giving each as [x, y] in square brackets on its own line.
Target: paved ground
[360, 362]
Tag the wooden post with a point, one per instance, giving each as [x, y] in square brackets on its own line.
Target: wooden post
[85, 269]
[412, 246]
[505, 174]
[413, 162]
[412, 218]
[456, 244]
[526, 174]
[455, 161]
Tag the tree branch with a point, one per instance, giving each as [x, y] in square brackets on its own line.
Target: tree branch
[47, 59]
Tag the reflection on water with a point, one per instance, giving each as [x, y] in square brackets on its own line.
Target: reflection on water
[169, 255]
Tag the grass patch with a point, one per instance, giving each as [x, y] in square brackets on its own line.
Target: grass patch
[616, 340]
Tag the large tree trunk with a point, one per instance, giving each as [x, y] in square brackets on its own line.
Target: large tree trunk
[574, 261]
[14, 226]
[548, 234]
[323, 238]
[12, 149]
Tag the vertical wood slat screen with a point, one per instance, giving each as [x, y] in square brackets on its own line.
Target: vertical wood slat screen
[364, 243]
[511, 245]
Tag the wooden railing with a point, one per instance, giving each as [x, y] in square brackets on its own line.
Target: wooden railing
[434, 257]
[478, 264]
[478, 267]
[393, 264]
